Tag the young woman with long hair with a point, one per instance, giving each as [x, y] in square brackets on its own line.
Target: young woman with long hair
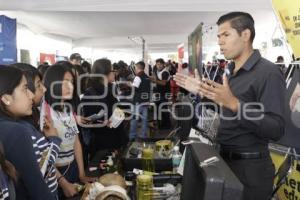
[16, 102]
[60, 101]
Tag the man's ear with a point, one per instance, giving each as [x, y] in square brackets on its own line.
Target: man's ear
[246, 35]
[6, 99]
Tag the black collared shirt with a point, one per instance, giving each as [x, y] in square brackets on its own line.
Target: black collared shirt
[257, 82]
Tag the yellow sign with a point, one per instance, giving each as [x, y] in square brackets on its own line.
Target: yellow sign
[289, 15]
[290, 190]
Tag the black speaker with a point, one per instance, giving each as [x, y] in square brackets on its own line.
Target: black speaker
[212, 182]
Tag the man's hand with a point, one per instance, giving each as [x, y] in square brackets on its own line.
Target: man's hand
[152, 78]
[189, 83]
[220, 94]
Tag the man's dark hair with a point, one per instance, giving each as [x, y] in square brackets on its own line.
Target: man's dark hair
[240, 21]
[122, 64]
[86, 66]
[279, 58]
[160, 60]
[75, 56]
[141, 65]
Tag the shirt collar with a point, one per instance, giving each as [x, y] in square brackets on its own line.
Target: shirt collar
[252, 60]
[249, 64]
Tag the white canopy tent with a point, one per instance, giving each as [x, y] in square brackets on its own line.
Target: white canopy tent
[99, 26]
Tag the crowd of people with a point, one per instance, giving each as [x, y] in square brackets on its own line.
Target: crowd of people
[45, 113]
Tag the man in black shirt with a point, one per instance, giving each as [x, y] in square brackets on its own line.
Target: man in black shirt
[141, 99]
[252, 105]
[161, 77]
[75, 59]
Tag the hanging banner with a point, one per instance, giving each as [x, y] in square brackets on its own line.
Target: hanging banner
[180, 49]
[25, 56]
[60, 56]
[289, 15]
[8, 45]
[47, 58]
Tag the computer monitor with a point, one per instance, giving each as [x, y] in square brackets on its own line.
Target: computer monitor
[213, 182]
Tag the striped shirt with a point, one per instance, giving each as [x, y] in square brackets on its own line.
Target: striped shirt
[4, 181]
[18, 149]
[46, 151]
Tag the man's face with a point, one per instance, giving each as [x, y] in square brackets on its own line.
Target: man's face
[230, 42]
[136, 69]
[76, 62]
[159, 66]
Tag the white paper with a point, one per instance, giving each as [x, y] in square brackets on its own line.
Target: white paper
[116, 118]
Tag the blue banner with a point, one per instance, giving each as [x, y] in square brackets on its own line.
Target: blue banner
[8, 44]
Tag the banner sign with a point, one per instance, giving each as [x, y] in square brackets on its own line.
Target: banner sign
[289, 15]
[8, 45]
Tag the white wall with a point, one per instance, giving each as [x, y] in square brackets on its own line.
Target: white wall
[40, 43]
[92, 54]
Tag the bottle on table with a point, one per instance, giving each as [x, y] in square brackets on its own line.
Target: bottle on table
[176, 158]
[144, 187]
[148, 159]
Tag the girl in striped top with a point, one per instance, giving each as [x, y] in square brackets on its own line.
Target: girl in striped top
[46, 147]
[60, 103]
[7, 176]
[15, 103]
